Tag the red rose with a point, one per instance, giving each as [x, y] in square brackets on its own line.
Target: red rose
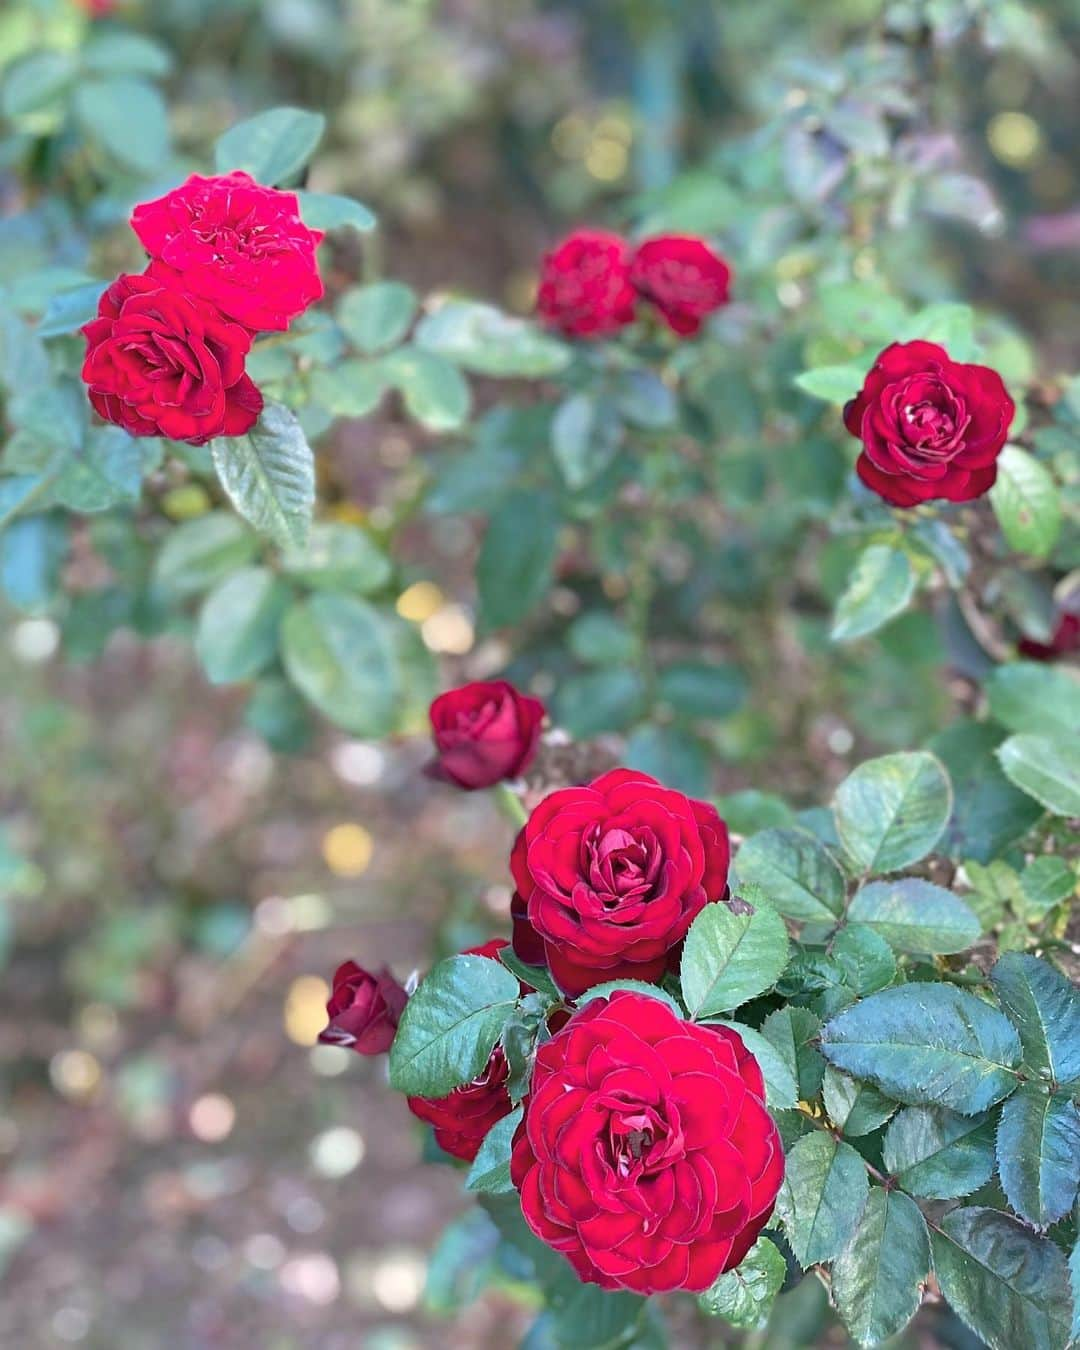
[613, 874]
[484, 732]
[364, 1009]
[159, 363]
[585, 289]
[98, 9]
[1065, 639]
[646, 1155]
[930, 426]
[236, 243]
[464, 1116]
[683, 278]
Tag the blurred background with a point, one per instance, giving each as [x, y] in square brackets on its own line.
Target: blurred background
[180, 1164]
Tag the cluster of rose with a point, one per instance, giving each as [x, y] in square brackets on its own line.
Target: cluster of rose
[229, 259]
[645, 1154]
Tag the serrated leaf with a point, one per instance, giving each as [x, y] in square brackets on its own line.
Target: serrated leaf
[743, 1296]
[1038, 1154]
[730, 957]
[796, 872]
[1008, 1284]
[824, 1191]
[1026, 502]
[1046, 768]
[939, 1154]
[201, 552]
[793, 1032]
[273, 146]
[328, 211]
[927, 1044]
[237, 632]
[481, 339]
[915, 916]
[450, 1025]
[339, 653]
[1046, 881]
[339, 557]
[864, 958]
[854, 1108]
[269, 475]
[1045, 1009]
[490, 1170]
[1036, 697]
[781, 1087]
[877, 1278]
[891, 811]
[882, 583]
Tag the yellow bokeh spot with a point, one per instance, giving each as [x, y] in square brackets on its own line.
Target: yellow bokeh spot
[1015, 138]
[305, 1009]
[75, 1074]
[348, 513]
[347, 850]
[449, 630]
[606, 159]
[420, 601]
[569, 136]
[186, 502]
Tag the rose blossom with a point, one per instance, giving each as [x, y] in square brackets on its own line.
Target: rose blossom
[1064, 639]
[484, 732]
[683, 278]
[236, 243]
[159, 363]
[646, 1155]
[931, 427]
[613, 874]
[585, 289]
[364, 1009]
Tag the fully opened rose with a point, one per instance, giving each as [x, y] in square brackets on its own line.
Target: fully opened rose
[646, 1155]
[682, 278]
[931, 427]
[612, 875]
[585, 289]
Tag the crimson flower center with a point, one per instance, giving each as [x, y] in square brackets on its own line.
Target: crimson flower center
[621, 865]
[639, 1139]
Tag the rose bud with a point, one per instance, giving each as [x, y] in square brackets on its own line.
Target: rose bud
[646, 1155]
[612, 875]
[683, 278]
[237, 244]
[931, 427]
[364, 1009]
[585, 289]
[484, 732]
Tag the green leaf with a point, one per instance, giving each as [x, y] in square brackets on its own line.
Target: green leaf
[585, 438]
[832, 384]
[610, 987]
[915, 916]
[536, 977]
[1032, 696]
[988, 812]
[1026, 502]
[279, 715]
[1074, 1281]
[781, 1088]
[1038, 1154]
[1046, 881]
[516, 566]
[481, 339]
[434, 391]
[881, 586]
[744, 1296]
[823, 1195]
[339, 557]
[583, 1317]
[947, 323]
[864, 957]
[490, 1170]
[877, 1278]
[450, 1025]
[273, 146]
[891, 811]
[199, 553]
[237, 633]
[378, 316]
[794, 1032]
[796, 872]
[32, 549]
[598, 638]
[1008, 1284]
[939, 1154]
[327, 211]
[1045, 1008]
[35, 81]
[854, 1108]
[600, 700]
[128, 119]
[670, 754]
[269, 475]
[1046, 768]
[927, 1044]
[351, 389]
[339, 653]
[105, 470]
[731, 956]
[122, 53]
[67, 311]
[701, 690]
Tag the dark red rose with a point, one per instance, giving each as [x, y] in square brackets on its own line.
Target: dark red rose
[364, 1009]
[528, 944]
[613, 874]
[236, 243]
[683, 278]
[462, 1118]
[98, 9]
[646, 1155]
[484, 732]
[159, 363]
[930, 426]
[1065, 639]
[585, 289]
